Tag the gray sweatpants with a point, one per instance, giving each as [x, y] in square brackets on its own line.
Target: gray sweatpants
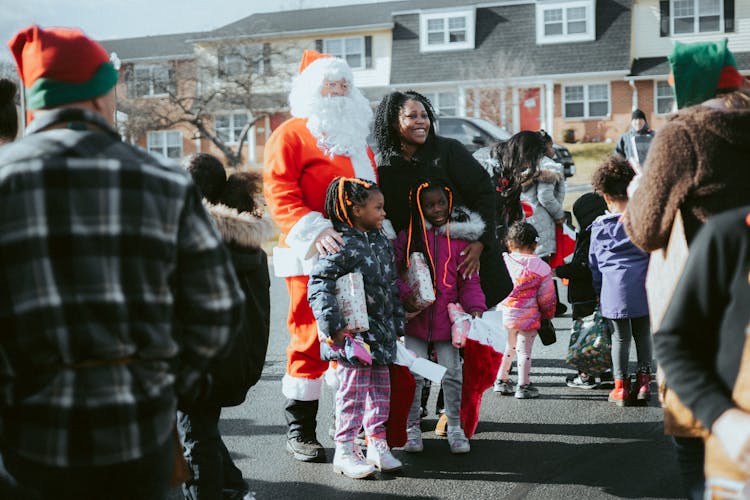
[622, 330]
[447, 356]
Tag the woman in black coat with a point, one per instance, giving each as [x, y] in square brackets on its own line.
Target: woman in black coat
[410, 152]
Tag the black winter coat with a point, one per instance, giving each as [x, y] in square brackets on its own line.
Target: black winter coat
[370, 254]
[241, 366]
[447, 160]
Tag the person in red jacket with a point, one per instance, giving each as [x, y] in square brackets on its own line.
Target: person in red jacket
[325, 138]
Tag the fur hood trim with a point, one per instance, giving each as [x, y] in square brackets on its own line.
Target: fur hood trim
[241, 228]
[464, 224]
[545, 176]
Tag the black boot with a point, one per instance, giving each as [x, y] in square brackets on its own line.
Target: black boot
[301, 441]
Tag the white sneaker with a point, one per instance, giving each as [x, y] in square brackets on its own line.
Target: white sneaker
[349, 463]
[381, 457]
[414, 439]
[457, 440]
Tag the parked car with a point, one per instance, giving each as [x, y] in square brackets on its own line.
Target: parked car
[475, 133]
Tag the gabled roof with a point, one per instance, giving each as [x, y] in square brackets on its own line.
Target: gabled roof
[161, 47]
[329, 19]
[659, 66]
[510, 30]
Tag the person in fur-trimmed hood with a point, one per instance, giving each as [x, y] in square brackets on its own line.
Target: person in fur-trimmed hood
[232, 205]
[441, 233]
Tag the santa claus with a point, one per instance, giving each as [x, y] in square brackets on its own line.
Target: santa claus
[325, 138]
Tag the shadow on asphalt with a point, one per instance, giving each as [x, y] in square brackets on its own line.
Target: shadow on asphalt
[307, 491]
[615, 468]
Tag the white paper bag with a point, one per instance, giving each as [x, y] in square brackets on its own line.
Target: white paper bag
[419, 366]
[350, 295]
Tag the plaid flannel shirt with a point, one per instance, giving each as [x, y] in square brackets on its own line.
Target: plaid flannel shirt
[104, 251]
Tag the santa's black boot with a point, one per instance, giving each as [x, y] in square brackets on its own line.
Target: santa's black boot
[301, 441]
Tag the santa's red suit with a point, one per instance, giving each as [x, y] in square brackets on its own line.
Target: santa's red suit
[296, 176]
[297, 172]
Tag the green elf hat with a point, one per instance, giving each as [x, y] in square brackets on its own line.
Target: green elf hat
[59, 66]
[700, 69]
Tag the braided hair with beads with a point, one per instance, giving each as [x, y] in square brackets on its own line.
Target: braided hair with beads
[417, 232]
[343, 194]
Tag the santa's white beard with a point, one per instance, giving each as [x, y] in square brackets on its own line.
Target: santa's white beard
[341, 124]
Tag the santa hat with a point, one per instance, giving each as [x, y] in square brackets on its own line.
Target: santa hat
[60, 66]
[699, 70]
[314, 68]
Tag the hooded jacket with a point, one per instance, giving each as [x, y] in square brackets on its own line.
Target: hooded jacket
[371, 254]
[244, 233]
[643, 138]
[533, 296]
[581, 293]
[696, 165]
[433, 323]
[618, 269]
[545, 192]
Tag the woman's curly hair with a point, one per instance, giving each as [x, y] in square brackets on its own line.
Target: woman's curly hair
[386, 135]
[612, 177]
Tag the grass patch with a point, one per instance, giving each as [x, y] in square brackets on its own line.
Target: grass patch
[587, 157]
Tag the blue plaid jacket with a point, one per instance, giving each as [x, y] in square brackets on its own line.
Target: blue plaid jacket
[115, 293]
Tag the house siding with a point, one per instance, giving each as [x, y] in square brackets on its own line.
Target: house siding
[648, 43]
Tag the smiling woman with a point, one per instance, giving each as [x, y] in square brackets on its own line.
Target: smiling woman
[411, 152]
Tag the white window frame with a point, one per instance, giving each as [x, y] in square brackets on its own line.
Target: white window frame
[565, 6]
[586, 101]
[434, 97]
[238, 55]
[696, 19]
[233, 131]
[150, 68]
[163, 147]
[658, 98]
[343, 54]
[469, 16]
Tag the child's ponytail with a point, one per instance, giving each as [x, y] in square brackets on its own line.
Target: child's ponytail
[343, 194]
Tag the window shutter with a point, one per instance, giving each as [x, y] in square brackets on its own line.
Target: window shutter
[172, 81]
[368, 52]
[728, 15]
[664, 21]
[130, 83]
[266, 58]
[319, 45]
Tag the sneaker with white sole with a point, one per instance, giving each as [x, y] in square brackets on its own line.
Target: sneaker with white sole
[348, 462]
[504, 387]
[380, 457]
[581, 382]
[526, 391]
[458, 441]
[414, 442]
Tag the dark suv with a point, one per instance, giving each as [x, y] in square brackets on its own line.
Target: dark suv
[475, 133]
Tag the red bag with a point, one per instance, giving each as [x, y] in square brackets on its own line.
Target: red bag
[402, 395]
[565, 238]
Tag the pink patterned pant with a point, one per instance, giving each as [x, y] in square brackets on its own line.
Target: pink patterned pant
[363, 398]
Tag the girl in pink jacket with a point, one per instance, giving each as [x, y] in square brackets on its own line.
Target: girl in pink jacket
[532, 299]
[441, 234]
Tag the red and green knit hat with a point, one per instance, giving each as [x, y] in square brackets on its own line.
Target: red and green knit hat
[60, 66]
[699, 70]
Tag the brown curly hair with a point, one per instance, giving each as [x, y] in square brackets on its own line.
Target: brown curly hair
[612, 177]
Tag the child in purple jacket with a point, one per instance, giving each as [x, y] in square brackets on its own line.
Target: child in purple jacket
[532, 300]
[441, 233]
[618, 268]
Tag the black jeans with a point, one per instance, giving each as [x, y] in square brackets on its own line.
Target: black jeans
[690, 457]
[214, 475]
[144, 479]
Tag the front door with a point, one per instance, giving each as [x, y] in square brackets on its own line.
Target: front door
[531, 108]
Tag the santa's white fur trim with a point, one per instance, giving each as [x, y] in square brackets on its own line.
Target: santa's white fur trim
[303, 234]
[301, 389]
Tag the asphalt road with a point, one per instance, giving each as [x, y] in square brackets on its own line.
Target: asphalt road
[567, 444]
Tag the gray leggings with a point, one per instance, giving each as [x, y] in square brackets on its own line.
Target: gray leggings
[622, 330]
